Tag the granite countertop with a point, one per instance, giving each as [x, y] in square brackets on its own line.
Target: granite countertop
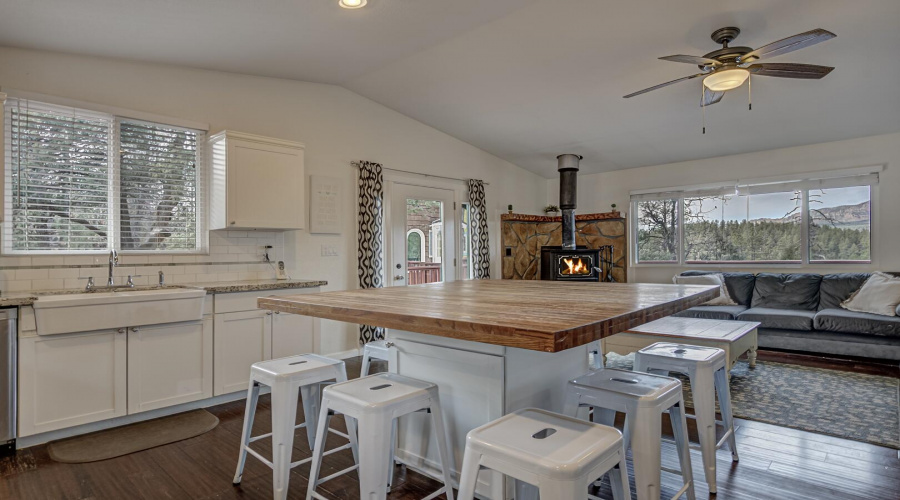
[16, 299]
[256, 285]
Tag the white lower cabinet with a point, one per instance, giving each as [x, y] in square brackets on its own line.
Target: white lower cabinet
[241, 339]
[69, 380]
[169, 364]
[292, 334]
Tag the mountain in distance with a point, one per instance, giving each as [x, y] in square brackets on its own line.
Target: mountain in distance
[844, 216]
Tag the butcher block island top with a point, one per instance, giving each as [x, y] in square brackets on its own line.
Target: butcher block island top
[546, 316]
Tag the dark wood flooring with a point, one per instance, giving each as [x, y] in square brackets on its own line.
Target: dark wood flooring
[776, 463]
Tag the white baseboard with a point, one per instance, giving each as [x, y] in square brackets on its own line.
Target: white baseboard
[36, 439]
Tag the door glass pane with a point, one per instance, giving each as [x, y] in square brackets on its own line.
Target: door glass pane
[424, 241]
[466, 242]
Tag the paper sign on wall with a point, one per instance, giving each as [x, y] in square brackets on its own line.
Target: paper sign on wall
[325, 202]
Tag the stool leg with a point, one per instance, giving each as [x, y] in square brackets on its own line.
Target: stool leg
[724, 393]
[319, 449]
[364, 367]
[618, 479]
[374, 436]
[682, 444]
[646, 451]
[570, 406]
[604, 416]
[309, 395]
[704, 393]
[393, 454]
[284, 416]
[468, 477]
[349, 422]
[443, 447]
[249, 414]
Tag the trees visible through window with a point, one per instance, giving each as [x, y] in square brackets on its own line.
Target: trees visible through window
[840, 224]
[82, 181]
[764, 224]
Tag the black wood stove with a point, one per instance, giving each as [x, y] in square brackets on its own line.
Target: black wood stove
[578, 264]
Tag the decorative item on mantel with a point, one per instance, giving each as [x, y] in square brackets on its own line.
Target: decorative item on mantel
[523, 235]
[551, 210]
[509, 209]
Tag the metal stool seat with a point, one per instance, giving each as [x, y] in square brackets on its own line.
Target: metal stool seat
[375, 402]
[560, 455]
[706, 369]
[643, 398]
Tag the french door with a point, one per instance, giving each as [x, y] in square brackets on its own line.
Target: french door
[422, 245]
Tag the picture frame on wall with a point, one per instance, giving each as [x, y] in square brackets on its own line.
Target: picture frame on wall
[326, 200]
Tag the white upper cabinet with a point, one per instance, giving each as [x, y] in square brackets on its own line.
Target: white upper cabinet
[256, 182]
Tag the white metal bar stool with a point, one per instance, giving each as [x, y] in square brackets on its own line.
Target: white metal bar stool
[377, 349]
[560, 455]
[290, 378]
[375, 402]
[705, 367]
[643, 398]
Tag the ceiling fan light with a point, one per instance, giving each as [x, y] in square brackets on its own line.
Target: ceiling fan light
[352, 4]
[728, 79]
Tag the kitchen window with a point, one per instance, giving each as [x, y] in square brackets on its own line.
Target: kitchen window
[813, 220]
[80, 181]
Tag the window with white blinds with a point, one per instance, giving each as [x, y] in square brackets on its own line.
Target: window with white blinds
[81, 181]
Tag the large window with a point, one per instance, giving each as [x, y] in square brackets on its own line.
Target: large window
[81, 181]
[812, 220]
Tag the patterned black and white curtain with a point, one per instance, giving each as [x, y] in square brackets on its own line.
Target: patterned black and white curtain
[370, 230]
[478, 228]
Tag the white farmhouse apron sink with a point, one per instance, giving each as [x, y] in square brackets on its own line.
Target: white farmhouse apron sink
[81, 312]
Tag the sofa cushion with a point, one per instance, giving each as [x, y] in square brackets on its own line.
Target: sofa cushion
[740, 285]
[787, 291]
[784, 319]
[851, 322]
[836, 288]
[712, 312]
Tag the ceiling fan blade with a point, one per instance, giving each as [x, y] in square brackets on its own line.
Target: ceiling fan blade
[700, 61]
[661, 85]
[788, 44]
[790, 70]
[710, 97]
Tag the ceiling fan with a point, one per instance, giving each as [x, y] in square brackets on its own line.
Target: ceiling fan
[729, 67]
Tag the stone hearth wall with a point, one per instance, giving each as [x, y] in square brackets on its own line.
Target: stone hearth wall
[524, 235]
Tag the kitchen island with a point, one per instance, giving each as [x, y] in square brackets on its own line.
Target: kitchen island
[492, 346]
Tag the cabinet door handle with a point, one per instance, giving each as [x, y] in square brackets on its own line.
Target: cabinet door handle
[135, 329]
[120, 330]
[277, 312]
[268, 313]
[389, 344]
[233, 222]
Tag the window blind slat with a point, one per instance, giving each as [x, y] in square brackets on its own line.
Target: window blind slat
[85, 181]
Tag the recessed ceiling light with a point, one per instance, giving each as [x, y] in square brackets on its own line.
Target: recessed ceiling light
[352, 4]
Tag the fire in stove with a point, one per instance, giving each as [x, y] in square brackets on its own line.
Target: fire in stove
[574, 266]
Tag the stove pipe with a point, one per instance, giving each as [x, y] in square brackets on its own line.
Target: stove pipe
[568, 175]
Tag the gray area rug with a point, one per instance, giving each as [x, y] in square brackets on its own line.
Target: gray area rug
[111, 443]
[837, 403]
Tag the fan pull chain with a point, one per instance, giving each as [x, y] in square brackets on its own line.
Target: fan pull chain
[749, 93]
[703, 105]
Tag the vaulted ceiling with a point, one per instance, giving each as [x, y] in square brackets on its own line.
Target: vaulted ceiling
[523, 79]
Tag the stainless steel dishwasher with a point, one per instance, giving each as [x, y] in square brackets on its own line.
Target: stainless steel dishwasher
[8, 357]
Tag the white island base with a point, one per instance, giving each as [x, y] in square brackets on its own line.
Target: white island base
[478, 383]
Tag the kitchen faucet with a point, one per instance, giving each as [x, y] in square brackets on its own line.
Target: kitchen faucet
[113, 262]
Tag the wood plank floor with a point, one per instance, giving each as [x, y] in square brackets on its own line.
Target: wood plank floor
[776, 463]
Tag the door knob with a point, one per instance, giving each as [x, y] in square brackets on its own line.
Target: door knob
[398, 277]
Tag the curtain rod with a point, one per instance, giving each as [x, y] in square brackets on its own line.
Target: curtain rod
[356, 164]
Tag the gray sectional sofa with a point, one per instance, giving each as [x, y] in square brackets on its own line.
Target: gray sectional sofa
[802, 312]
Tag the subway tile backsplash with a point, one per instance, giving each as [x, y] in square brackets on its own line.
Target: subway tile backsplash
[233, 256]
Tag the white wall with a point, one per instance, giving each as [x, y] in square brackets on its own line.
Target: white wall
[596, 192]
[337, 126]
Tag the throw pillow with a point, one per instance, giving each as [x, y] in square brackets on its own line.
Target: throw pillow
[708, 279]
[880, 294]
